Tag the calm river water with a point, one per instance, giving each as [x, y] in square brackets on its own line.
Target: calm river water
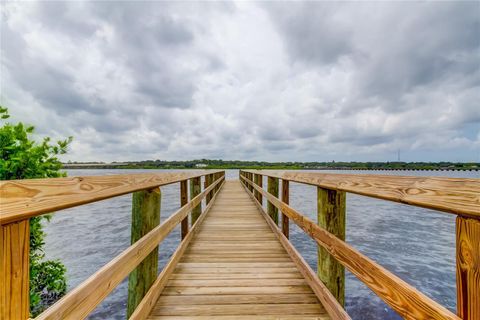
[416, 244]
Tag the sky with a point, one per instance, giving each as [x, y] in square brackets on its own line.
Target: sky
[272, 81]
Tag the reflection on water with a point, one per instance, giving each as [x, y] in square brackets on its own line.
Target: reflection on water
[416, 244]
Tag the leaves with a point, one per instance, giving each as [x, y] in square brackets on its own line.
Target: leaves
[22, 158]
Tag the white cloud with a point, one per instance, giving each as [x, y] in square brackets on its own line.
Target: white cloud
[303, 81]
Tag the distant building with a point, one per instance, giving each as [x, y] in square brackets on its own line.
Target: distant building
[201, 165]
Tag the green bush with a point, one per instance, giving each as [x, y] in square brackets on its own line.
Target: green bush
[23, 158]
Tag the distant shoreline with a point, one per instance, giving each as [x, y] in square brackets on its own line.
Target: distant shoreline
[110, 166]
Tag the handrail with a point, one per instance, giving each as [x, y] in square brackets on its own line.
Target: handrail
[402, 297]
[79, 302]
[459, 196]
[24, 199]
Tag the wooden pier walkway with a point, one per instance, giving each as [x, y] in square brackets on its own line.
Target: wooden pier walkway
[235, 260]
[236, 266]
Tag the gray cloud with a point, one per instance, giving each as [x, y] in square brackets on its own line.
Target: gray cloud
[272, 81]
[318, 36]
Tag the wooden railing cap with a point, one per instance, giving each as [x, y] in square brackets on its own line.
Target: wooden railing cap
[459, 196]
[23, 199]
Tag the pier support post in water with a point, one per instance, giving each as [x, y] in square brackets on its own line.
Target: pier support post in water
[286, 199]
[184, 201]
[14, 270]
[331, 216]
[195, 189]
[468, 268]
[272, 188]
[145, 217]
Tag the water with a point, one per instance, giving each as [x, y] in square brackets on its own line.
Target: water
[416, 244]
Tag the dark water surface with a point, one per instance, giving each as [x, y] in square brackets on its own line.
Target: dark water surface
[416, 244]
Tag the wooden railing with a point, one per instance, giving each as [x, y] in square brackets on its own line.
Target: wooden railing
[24, 199]
[451, 195]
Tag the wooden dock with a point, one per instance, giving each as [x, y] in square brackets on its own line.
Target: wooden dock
[235, 260]
[236, 266]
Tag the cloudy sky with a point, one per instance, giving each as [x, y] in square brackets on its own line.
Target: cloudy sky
[254, 81]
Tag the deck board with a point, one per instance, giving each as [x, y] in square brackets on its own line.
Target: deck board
[235, 268]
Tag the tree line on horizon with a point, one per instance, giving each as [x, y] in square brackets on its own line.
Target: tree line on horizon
[240, 164]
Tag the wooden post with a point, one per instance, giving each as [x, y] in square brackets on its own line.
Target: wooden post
[331, 216]
[260, 184]
[217, 176]
[195, 190]
[145, 217]
[14, 270]
[208, 181]
[251, 178]
[184, 201]
[468, 268]
[255, 180]
[272, 188]
[286, 199]
[214, 178]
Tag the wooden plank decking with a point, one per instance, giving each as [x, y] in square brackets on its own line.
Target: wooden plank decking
[236, 268]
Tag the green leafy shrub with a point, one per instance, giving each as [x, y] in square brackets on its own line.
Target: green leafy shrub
[21, 157]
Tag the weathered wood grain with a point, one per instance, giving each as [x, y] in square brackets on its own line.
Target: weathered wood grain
[79, 302]
[14, 270]
[402, 297]
[453, 195]
[23, 199]
[331, 208]
[468, 268]
[145, 217]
